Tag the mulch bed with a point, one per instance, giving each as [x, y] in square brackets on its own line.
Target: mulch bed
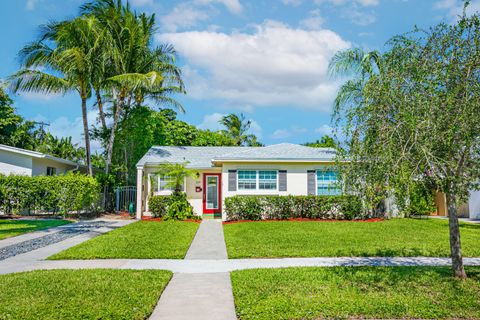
[160, 219]
[304, 220]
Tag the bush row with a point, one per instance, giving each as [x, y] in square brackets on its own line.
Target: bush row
[56, 194]
[284, 207]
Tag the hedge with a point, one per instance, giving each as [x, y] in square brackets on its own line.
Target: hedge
[172, 207]
[346, 207]
[56, 194]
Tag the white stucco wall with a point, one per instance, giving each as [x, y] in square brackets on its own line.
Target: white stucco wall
[14, 163]
[474, 205]
[39, 166]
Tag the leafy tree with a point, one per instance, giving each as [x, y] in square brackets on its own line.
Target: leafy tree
[325, 142]
[237, 127]
[413, 114]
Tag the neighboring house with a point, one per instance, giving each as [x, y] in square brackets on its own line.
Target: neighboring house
[281, 169]
[31, 163]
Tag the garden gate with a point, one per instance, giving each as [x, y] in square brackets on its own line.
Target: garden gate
[125, 199]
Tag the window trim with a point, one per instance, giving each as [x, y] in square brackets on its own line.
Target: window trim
[53, 173]
[165, 191]
[336, 182]
[257, 181]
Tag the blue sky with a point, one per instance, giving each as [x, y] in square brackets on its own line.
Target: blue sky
[265, 58]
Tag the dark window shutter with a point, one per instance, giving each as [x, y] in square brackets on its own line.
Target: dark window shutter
[232, 180]
[282, 180]
[311, 176]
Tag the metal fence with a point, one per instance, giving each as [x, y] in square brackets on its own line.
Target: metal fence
[125, 199]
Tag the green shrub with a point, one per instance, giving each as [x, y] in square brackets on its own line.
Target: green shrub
[284, 207]
[172, 207]
[57, 194]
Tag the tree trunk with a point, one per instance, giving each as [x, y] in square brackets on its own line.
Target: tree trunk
[87, 135]
[455, 245]
[100, 110]
[111, 139]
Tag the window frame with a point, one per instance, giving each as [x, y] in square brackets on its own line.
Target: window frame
[157, 182]
[257, 181]
[335, 183]
[51, 171]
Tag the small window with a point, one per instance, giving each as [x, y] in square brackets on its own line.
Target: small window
[267, 180]
[51, 171]
[247, 180]
[160, 183]
[327, 183]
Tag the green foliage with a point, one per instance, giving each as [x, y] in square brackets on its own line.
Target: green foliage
[11, 228]
[421, 201]
[177, 172]
[325, 142]
[63, 193]
[284, 207]
[171, 207]
[237, 127]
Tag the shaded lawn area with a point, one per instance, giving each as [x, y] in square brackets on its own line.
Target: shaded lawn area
[139, 240]
[396, 237]
[11, 228]
[81, 294]
[356, 292]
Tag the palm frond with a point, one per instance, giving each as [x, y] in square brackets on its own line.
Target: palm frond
[36, 81]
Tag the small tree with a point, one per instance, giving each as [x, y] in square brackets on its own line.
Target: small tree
[412, 113]
[177, 172]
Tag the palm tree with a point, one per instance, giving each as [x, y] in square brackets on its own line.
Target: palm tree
[135, 71]
[62, 61]
[177, 172]
[237, 128]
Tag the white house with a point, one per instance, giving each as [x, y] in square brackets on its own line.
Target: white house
[282, 169]
[31, 163]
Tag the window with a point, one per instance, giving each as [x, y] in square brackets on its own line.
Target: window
[257, 180]
[247, 180]
[160, 183]
[267, 180]
[51, 171]
[327, 183]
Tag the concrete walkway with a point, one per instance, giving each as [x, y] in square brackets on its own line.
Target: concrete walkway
[203, 293]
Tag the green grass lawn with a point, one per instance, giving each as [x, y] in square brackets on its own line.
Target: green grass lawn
[397, 237]
[356, 292]
[139, 240]
[81, 294]
[11, 228]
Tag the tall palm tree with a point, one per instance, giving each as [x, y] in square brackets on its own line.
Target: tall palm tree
[135, 71]
[237, 127]
[61, 61]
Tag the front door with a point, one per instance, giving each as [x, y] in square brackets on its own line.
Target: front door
[212, 193]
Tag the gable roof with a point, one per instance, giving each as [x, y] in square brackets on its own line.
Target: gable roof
[206, 157]
[35, 154]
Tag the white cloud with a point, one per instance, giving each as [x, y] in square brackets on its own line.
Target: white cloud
[211, 121]
[255, 128]
[294, 3]
[35, 96]
[181, 17]
[30, 4]
[274, 65]
[324, 129]
[141, 3]
[64, 127]
[314, 21]
[281, 134]
[364, 3]
[359, 17]
[455, 7]
[233, 6]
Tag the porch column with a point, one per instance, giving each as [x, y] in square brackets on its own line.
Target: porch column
[140, 191]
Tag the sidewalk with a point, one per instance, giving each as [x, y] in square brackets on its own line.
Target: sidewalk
[200, 294]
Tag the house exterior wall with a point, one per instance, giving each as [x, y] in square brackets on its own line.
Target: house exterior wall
[474, 205]
[14, 163]
[39, 166]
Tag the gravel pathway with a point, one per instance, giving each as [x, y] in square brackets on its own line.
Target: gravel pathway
[68, 231]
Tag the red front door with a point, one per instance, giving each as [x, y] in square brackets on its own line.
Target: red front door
[212, 193]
